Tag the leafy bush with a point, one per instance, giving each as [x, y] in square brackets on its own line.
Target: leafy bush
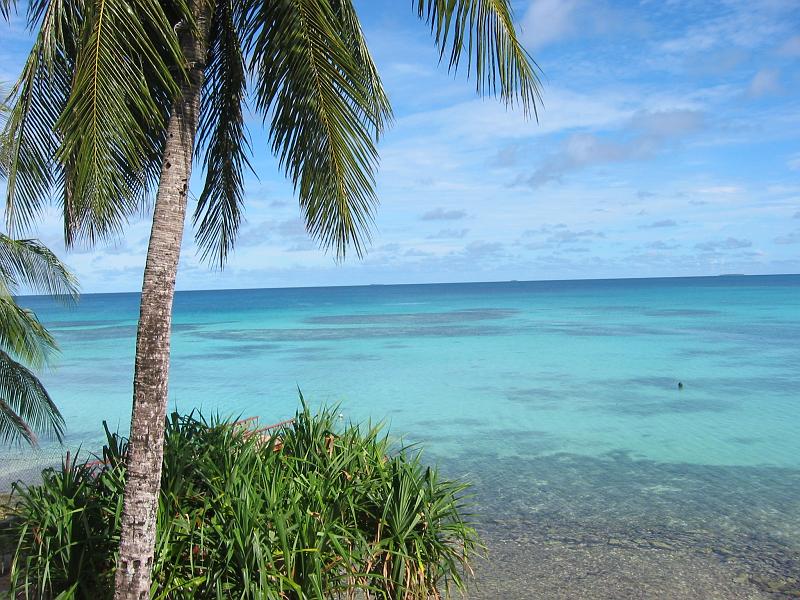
[318, 510]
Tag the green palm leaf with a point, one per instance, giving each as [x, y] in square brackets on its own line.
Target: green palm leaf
[87, 115]
[13, 428]
[25, 406]
[22, 334]
[223, 136]
[29, 263]
[36, 101]
[113, 124]
[353, 36]
[484, 31]
[5, 148]
[319, 88]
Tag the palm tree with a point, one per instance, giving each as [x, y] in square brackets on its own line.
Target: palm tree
[117, 98]
[25, 406]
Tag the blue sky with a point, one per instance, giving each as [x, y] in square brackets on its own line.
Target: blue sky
[668, 145]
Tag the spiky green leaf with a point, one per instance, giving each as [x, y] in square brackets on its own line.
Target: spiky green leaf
[222, 136]
[30, 264]
[112, 126]
[22, 334]
[86, 126]
[36, 101]
[319, 89]
[25, 406]
[484, 31]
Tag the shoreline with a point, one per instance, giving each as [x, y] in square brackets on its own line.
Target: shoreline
[555, 561]
[580, 532]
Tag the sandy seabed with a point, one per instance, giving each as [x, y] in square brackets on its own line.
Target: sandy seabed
[560, 561]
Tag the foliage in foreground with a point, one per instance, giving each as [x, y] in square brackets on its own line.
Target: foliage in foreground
[334, 510]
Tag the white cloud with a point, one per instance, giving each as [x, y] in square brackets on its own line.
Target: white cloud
[794, 162]
[790, 238]
[765, 82]
[730, 243]
[717, 190]
[547, 21]
[558, 236]
[659, 224]
[791, 47]
[644, 136]
[663, 245]
[749, 24]
[441, 214]
[448, 234]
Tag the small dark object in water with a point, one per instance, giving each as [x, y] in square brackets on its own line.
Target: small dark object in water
[680, 385]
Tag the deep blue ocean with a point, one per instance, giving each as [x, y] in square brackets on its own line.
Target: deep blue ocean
[560, 401]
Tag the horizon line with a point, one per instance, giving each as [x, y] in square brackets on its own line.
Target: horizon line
[360, 285]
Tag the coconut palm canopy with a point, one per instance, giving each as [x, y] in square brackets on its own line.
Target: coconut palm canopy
[87, 122]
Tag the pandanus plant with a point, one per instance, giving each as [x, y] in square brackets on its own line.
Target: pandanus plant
[118, 98]
[334, 511]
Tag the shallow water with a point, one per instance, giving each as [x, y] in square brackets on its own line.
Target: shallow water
[559, 400]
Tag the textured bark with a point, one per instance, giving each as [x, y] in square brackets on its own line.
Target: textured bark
[151, 374]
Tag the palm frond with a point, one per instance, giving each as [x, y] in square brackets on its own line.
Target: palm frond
[36, 101]
[319, 88]
[87, 115]
[22, 334]
[4, 145]
[112, 127]
[353, 36]
[6, 8]
[32, 264]
[13, 428]
[484, 31]
[25, 406]
[223, 137]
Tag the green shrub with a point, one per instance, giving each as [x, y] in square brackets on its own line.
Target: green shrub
[334, 511]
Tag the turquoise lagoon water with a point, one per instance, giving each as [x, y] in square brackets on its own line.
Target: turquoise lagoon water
[559, 400]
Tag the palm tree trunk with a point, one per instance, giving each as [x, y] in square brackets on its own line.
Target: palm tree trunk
[151, 373]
